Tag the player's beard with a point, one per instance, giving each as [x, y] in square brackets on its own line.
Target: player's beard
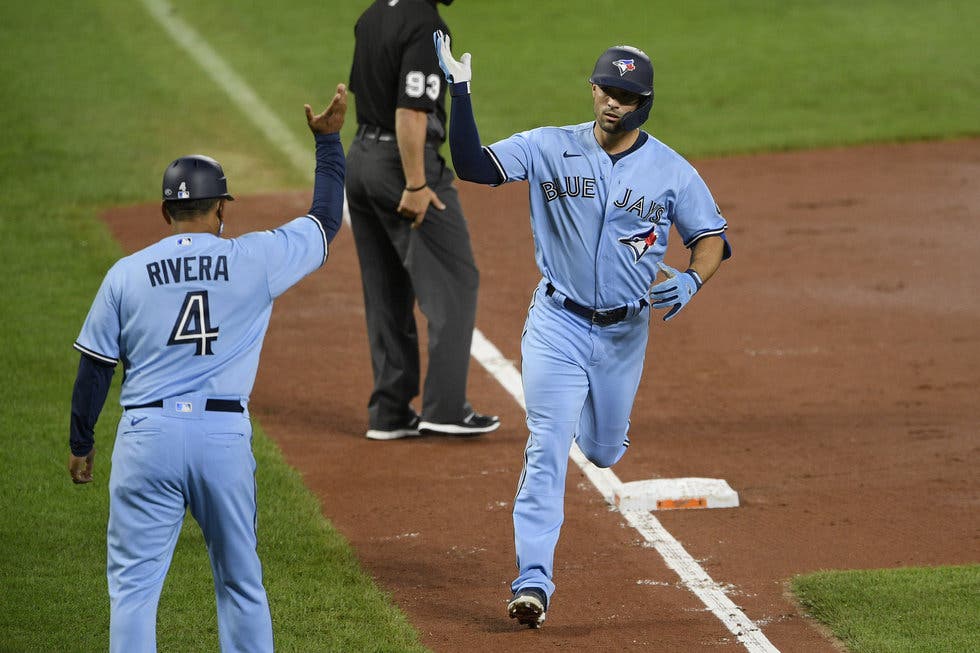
[610, 128]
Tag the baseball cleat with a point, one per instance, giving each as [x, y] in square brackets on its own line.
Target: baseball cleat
[472, 424]
[528, 607]
[409, 430]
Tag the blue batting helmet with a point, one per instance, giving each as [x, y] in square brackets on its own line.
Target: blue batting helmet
[628, 68]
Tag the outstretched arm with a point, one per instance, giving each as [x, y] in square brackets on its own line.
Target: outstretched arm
[328, 184]
[470, 159]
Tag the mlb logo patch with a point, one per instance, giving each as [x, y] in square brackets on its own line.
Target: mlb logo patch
[184, 407]
[625, 66]
[183, 241]
[184, 194]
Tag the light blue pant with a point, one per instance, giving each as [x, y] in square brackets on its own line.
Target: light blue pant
[164, 463]
[579, 383]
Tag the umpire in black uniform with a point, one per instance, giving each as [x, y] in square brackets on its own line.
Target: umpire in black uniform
[411, 236]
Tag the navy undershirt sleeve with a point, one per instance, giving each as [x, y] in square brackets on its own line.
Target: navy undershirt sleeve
[87, 399]
[328, 184]
[470, 160]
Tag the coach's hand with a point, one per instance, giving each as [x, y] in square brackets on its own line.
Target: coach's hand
[332, 118]
[80, 467]
[456, 72]
[675, 291]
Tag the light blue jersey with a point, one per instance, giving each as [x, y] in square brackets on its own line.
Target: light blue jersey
[601, 225]
[600, 229]
[188, 314]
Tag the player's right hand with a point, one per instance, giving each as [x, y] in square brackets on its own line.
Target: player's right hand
[674, 292]
[80, 467]
[456, 71]
[332, 118]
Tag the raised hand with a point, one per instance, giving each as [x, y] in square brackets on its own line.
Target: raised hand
[332, 118]
[456, 71]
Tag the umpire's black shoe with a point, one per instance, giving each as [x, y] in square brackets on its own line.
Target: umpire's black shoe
[528, 606]
[472, 424]
[409, 429]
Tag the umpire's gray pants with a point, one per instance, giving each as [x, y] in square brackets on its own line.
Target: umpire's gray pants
[399, 265]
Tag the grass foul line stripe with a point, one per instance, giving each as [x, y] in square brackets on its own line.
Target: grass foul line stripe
[691, 574]
[482, 349]
[237, 89]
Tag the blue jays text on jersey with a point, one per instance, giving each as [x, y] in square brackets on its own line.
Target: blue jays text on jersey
[600, 227]
[651, 211]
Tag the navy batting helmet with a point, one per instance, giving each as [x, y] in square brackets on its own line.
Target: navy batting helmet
[628, 68]
[195, 177]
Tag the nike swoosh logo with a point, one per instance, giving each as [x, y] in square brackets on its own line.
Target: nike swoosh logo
[136, 420]
[568, 156]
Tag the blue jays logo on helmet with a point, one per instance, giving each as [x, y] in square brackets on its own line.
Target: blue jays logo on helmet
[640, 243]
[612, 67]
[611, 70]
[624, 65]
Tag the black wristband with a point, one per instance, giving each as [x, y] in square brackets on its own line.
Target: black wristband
[414, 190]
[459, 88]
[694, 275]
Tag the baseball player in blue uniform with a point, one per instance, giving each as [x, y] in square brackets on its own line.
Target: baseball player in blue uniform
[604, 195]
[186, 318]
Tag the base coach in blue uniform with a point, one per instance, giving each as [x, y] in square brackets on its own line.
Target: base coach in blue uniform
[186, 317]
[411, 236]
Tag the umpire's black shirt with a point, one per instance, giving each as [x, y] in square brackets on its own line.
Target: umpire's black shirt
[395, 64]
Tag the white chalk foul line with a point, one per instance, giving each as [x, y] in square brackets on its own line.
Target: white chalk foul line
[608, 484]
[482, 349]
[262, 116]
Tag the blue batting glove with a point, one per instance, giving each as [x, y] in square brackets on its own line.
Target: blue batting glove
[675, 291]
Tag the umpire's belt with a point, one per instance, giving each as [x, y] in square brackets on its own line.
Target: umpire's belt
[599, 318]
[375, 133]
[213, 405]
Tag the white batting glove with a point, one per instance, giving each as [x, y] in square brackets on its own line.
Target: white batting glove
[456, 72]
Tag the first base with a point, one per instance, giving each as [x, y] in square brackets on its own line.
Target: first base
[676, 493]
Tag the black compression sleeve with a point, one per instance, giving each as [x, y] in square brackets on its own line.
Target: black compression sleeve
[87, 399]
[470, 160]
[328, 184]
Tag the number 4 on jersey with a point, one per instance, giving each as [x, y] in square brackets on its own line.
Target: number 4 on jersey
[193, 325]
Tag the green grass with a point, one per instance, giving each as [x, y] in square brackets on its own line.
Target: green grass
[101, 103]
[922, 610]
[98, 100]
[730, 77]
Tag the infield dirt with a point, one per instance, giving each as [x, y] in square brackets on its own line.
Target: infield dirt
[829, 373]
